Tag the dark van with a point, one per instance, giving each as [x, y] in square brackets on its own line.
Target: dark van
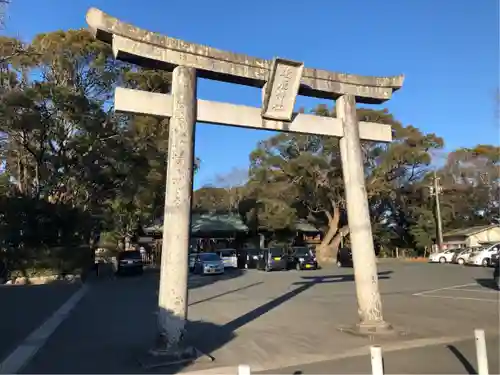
[344, 257]
[274, 258]
[302, 258]
[129, 262]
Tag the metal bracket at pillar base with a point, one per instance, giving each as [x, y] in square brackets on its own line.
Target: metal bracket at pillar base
[375, 329]
[160, 356]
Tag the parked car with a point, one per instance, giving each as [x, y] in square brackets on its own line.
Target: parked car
[208, 264]
[495, 259]
[344, 257]
[129, 262]
[252, 258]
[229, 257]
[462, 256]
[302, 258]
[274, 258]
[192, 261]
[445, 256]
[496, 271]
[482, 256]
[3, 272]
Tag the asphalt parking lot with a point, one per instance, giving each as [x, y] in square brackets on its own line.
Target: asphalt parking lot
[270, 320]
[25, 307]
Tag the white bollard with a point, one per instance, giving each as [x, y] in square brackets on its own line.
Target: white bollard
[243, 370]
[481, 354]
[377, 361]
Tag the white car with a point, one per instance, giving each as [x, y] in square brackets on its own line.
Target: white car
[464, 255]
[482, 256]
[229, 257]
[443, 256]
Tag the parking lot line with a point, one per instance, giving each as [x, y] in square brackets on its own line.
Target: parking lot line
[32, 344]
[445, 288]
[457, 298]
[477, 291]
[464, 288]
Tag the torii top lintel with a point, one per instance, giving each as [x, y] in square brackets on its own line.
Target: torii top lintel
[154, 50]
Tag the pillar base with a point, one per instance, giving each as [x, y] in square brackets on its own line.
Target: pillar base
[162, 356]
[369, 329]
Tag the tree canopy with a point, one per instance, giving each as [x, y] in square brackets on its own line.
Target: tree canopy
[60, 141]
[66, 157]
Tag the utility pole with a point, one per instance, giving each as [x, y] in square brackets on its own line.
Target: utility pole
[436, 189]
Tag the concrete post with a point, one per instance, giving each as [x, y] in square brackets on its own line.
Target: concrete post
[173, 294]
[244, 370]
[377, 360]
[481, 352]
[358, 215]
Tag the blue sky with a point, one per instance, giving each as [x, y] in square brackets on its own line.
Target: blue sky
[448, 50]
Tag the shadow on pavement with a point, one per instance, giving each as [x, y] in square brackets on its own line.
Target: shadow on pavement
[210, 337]
[427, 359]
[198, 281]
[309, 282]
[194, 281]
[488, 283]
[225, 293]
[168, 365]
[463, 360]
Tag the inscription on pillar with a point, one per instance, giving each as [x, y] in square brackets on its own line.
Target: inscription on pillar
[281, 89]
[179, 161]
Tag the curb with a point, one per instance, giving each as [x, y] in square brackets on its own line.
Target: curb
[43, 280]
[361, 351]
[402, 260]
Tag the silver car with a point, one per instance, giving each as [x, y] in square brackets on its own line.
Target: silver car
[208, 264]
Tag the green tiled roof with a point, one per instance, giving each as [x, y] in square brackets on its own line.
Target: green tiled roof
[304, 226]
[215, 222]
[208, 223]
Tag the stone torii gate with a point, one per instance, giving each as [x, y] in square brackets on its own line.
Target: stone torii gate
[280, 80]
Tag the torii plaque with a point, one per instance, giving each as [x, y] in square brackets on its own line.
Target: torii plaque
[281, 80]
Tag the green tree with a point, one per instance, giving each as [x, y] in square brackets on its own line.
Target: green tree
[211, 199]
[471, 180]
[5, 184]
[60, 140]
[308, 168]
